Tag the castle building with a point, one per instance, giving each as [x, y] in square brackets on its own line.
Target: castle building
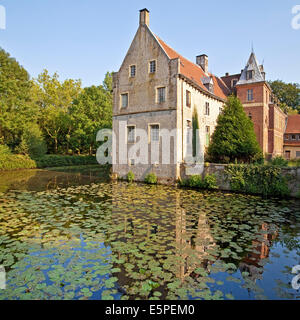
[158, 92]
[292, 138]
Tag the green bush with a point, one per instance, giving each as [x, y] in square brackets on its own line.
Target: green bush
[151, 178]
[130, 176]
[64, 161]
[279, 161]
[210, 182]
[196, 182]
[12, 162]
[4, 150]
[266, 180]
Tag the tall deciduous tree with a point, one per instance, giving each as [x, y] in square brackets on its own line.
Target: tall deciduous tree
[287, 93]
[16, 109]
[234, 137]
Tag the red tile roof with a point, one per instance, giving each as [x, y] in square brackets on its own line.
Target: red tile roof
[195, 73]
[293, 125]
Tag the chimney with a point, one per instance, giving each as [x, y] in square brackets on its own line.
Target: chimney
[227, 74]
[261, 68]
[144, 17]
[202, 61]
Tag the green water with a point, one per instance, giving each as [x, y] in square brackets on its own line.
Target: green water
[74, 235]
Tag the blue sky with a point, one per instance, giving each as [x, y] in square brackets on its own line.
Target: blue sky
[82, 39]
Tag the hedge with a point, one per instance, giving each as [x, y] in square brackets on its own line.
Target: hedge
[12, 162]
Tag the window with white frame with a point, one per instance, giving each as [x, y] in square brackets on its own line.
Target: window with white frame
[207, 109]
[132, 71]
[130, 134]
[152, 66]
[154, 133]
[250, 95]
[161, 95]
[124, 100]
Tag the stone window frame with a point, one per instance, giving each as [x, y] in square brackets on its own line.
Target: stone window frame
[157, 94]
[130, 71]
[132, 126]
[149, 66]
[207, 109]
[188, 98]
[149, 132]
[121, 100]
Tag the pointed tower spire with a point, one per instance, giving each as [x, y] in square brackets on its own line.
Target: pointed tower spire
[252, 72]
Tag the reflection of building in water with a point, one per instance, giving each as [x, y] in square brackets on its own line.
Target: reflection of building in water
[261, 251]
[193, 239]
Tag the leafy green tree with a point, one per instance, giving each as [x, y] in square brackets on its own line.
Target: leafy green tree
[234, 137]
[16, 108]
[90, 112]
[32, 143]
[54, 100]
[287, 93]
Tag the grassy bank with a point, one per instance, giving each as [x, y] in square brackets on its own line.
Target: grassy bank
[13, 162]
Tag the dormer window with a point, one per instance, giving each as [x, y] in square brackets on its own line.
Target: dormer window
[211, 88]
[249, 75]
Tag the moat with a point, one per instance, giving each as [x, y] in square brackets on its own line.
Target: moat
[76, 235]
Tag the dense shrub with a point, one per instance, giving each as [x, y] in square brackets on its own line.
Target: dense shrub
[62, 161]
[266, 180]
[151, 178]
[196, 181]
[130, 176]
[4, 150]
[279, 161]
[11, 162]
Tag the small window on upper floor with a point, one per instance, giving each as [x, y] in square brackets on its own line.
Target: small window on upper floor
[250, 95]
[233, 83]
[188, 98]
[161, 95]
[250, 115]
[152, 66]
[132, 71]
[293, 137]
[286, 137]
[249, 75]
[207, 109]
[124, 98]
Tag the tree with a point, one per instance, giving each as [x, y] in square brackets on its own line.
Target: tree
[17, 111]
[54, 100]
[287, 93]
[90, 112]
[234, 137]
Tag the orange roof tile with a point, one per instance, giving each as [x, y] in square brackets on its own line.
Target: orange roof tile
[293, 125]
[195, 73]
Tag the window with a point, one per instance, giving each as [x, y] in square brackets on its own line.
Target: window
[250, 115]
[250, 95]
[288, 155]
[152, 67]
[188, 131]
[131, 162]
[220, 110]
[130, 134]
[207, 110]
[207, 131]
[132, 71]
[154, 133]
[188, 98]
[161, 95]
[124, 100]
[293, 137]
[297, 154]
[233, 83]
[286, 137]
[249, 75]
